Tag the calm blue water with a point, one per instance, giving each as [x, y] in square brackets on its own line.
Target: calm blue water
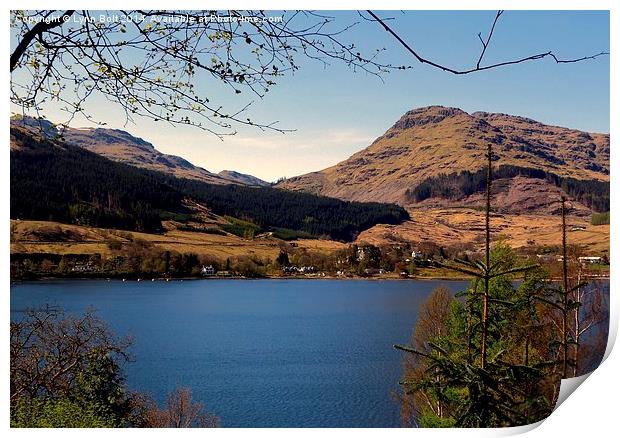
[264, 353]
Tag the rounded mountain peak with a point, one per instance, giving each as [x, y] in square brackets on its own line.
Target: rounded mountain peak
[426, 115]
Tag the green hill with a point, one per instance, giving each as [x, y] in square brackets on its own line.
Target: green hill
[59, 182]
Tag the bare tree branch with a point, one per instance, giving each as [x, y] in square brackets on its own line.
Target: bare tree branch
[166, 65]
[37, 29]
[486, 44]
[479, 68]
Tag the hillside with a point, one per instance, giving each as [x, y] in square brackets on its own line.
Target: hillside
[438, 142]
[121, 146]
[56, 181]
[44, 237]
[242, 178]
[463, 228]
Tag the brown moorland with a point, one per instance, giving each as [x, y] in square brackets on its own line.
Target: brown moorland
[430, 141]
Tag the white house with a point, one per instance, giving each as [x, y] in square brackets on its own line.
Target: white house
[590, 260]
[208, 270]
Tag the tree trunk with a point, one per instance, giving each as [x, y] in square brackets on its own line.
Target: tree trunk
[565, 295]
[485, 302]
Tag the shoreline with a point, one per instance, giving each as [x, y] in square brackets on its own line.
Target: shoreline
[299, 278]
[132, 277]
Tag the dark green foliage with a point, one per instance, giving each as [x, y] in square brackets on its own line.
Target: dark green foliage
[72, 185]
[60, 412]
[511, 387]
[240, 228]
[592, 193]
[282, 259]
[600, 219]
[288, 234]
[428, 419]
[101, 386]
[498, 350]
[179, 217]
[270, 207]
[66, 371]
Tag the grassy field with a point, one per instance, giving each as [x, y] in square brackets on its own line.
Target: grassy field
[57, 238]
[447, 227]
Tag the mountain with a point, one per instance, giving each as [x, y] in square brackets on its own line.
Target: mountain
[242, 178]
[53, 180]
[439, 145]
[121, 146]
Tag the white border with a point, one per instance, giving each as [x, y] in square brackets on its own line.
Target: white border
[591, 411]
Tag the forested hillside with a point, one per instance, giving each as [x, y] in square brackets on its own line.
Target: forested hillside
[71, 185]
[120, 146]
[59, 182]
[592, 193]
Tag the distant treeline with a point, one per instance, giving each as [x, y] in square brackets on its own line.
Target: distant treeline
[270, 207]
[592, 193]
[71, 185]
[68, 184]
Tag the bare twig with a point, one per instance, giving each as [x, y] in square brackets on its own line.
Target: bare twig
[486, 44]
[479, 68]
[164, 65]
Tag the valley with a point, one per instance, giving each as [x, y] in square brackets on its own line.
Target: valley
[129, 207]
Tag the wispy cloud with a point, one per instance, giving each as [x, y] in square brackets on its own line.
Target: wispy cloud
[268, 155]
[339, 139]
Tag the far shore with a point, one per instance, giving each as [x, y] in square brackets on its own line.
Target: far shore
[137, 279]
[211, 278]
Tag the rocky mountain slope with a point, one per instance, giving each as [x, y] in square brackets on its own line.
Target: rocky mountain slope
[121, 146]
[242, 178]
[428, 142]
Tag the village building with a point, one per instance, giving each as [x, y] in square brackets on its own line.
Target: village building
[207, 270]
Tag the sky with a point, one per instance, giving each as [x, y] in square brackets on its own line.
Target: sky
[333, 112]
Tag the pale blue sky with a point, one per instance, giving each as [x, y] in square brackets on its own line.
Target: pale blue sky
[336, 112]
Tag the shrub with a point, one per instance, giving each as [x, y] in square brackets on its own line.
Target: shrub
[600, 219]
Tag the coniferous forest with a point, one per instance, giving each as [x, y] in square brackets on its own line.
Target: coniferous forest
[60, 182]
[592, 193]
